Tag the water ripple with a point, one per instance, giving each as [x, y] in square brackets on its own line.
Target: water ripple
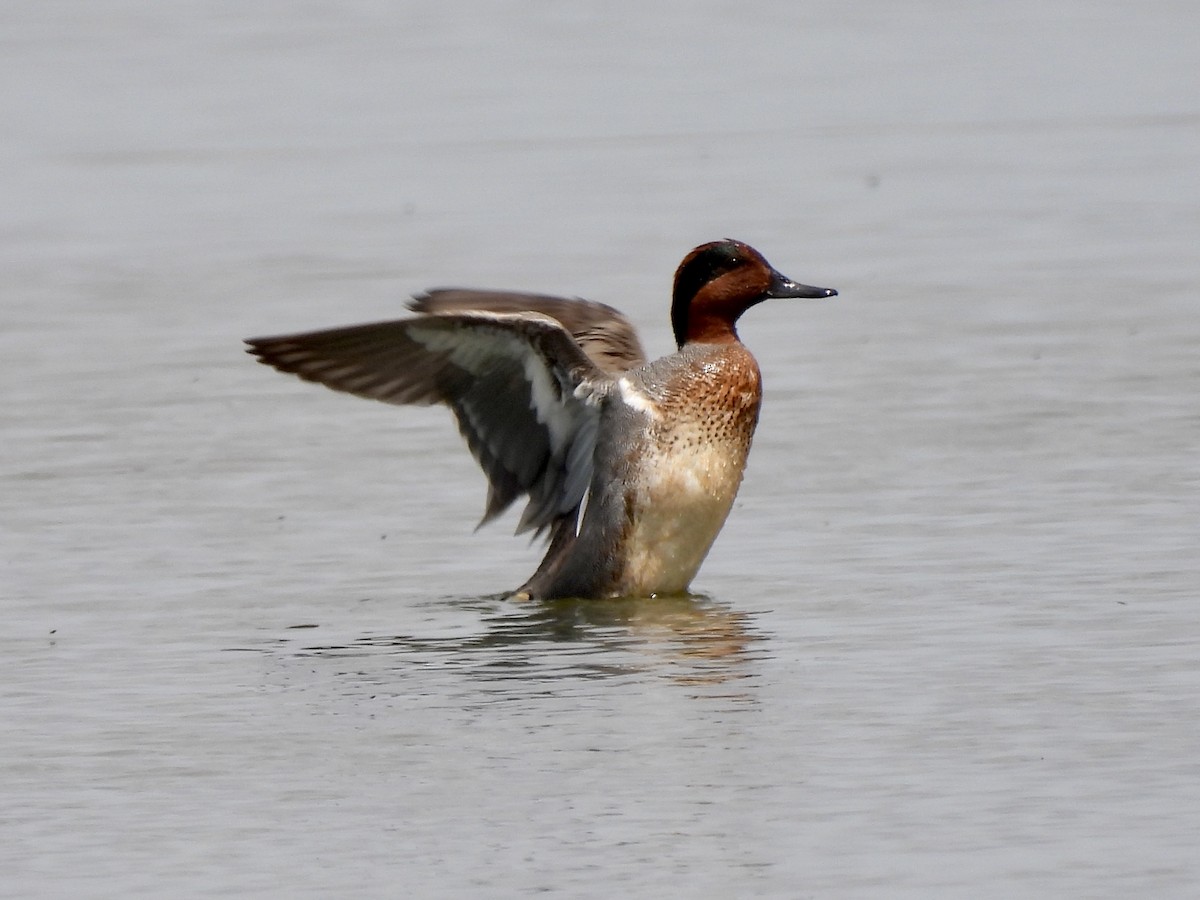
[496, 642]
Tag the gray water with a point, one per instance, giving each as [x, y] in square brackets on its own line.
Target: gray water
[947, 645]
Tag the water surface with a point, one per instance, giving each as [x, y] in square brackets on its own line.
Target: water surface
[946, 645]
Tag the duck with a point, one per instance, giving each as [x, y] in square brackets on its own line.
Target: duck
[629, 466]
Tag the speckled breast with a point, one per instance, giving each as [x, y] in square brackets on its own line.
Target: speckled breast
[702, 414]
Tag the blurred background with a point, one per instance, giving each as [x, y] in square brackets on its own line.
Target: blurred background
[943, 645]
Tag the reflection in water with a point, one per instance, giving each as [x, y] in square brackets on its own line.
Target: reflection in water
[690, 640]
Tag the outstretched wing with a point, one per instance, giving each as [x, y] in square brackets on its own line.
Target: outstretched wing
[525, 395]
[605, 335]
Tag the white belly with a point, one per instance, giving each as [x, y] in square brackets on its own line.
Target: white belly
[680, 503]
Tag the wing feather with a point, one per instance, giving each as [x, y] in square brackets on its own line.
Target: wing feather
[525, 395]
[604, 334]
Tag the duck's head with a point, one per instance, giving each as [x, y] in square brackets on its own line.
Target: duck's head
[717, 282]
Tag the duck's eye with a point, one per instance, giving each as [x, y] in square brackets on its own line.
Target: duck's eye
[725, 259]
